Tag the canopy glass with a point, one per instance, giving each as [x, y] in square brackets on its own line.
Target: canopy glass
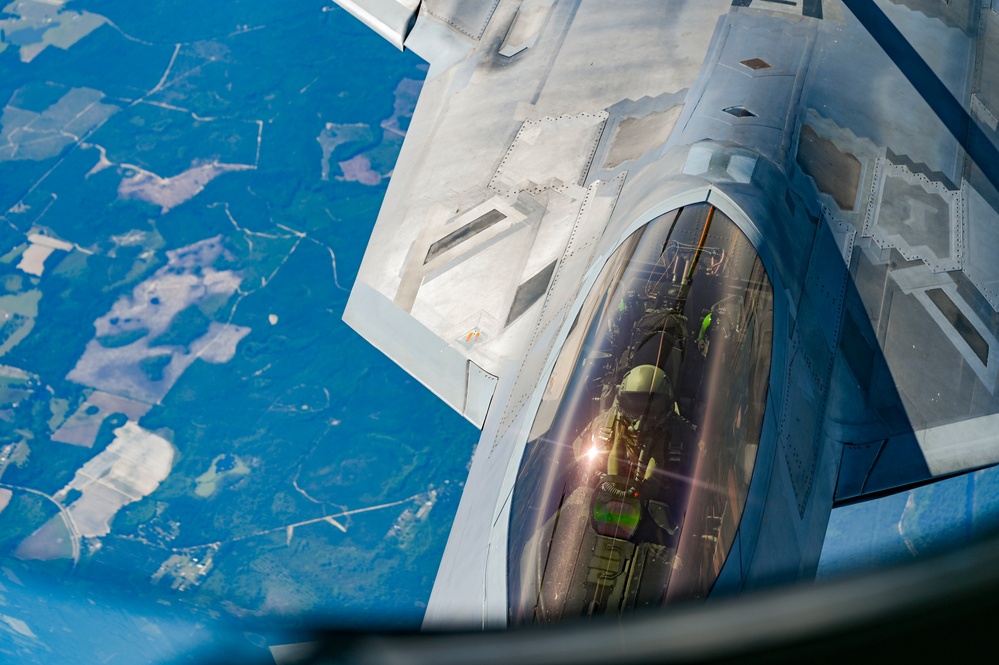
[634, 479]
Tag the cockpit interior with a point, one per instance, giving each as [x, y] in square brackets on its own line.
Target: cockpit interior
[639, 461]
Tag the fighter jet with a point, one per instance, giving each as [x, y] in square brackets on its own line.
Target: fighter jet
[700, 272]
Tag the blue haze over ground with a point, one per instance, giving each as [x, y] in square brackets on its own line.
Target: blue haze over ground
[187, 191]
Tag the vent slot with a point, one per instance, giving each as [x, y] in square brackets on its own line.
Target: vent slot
[740, 112]
[458, 236]
[756, 64]
[530, 292]
[961, 324]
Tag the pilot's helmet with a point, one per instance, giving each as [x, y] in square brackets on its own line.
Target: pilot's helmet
[645, 393]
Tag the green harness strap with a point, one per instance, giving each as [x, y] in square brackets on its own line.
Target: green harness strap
[705, 324]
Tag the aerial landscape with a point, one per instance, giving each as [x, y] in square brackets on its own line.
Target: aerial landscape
[195, 451]
[183, 415]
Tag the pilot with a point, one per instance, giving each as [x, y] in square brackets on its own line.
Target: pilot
[644, 403]
[634, 431]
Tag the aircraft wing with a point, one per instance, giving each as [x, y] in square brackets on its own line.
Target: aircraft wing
[508, 172]
[854, 141]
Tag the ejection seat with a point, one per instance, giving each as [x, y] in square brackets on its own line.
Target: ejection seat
[659, 339]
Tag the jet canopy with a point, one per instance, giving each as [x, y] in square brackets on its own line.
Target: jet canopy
[634, 480]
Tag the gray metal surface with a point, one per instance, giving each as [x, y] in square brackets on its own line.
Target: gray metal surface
[858, 162]
[392, 19]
